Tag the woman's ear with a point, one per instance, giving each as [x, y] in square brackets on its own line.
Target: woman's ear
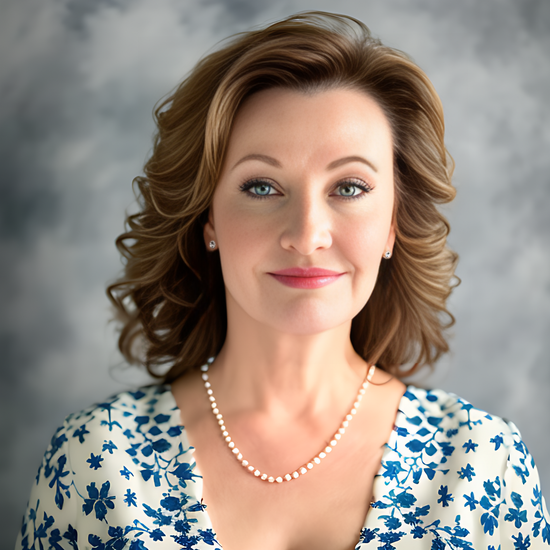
[208, 231]
[391, 238]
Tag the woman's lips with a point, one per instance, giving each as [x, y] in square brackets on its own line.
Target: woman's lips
[311, 277]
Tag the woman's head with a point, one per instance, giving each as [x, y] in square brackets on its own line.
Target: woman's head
[306, 182]
[173, 280]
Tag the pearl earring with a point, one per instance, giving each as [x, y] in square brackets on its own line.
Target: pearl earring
[212, 245]
[387, 255]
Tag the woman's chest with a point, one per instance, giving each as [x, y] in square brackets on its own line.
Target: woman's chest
[325, 509]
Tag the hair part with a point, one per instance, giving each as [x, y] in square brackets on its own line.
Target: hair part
[171, 299]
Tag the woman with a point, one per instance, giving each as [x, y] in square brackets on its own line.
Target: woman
[287, 261]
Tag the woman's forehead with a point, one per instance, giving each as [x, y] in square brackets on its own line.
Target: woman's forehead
[325, 125]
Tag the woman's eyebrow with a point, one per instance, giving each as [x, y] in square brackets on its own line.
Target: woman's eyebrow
[334, 164]
[354, 158]
[263, 158]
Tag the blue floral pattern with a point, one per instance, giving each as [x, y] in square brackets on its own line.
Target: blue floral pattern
[121, 475]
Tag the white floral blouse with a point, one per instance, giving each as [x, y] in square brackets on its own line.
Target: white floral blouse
[121, 475]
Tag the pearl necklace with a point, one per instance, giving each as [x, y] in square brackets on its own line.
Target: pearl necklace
[304, 469]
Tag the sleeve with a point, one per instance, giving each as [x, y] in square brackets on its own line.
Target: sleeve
[50, 518]
[525, 516]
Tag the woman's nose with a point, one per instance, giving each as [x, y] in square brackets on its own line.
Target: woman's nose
[307, 225]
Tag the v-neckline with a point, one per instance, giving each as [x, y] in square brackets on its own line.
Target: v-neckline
[378, 487]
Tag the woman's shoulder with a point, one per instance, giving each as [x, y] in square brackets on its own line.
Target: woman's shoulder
[451, 432]
[134, 424]
[128, 427]
[125, 461]
[454, 472]
[452, 417]
[142, 399]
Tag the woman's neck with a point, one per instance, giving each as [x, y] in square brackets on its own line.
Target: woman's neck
[263, 370]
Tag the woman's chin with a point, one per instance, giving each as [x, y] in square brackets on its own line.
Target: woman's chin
[307, 321]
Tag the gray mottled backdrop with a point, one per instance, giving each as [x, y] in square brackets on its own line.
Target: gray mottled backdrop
[78, 80]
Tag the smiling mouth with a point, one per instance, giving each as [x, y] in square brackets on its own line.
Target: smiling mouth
[309, 278]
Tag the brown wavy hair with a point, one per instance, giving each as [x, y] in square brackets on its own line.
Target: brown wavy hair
[171, 298]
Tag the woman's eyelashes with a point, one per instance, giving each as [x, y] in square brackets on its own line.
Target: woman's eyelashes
[352, 189]
[258, 189]
[347, 190]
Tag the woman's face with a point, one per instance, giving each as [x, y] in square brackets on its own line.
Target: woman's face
[307, 182]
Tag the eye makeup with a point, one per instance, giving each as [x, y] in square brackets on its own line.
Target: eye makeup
[257, 183]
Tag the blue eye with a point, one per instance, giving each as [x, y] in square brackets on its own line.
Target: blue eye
[261, 189]
[347, 190]
[258, 189]
[353, 190]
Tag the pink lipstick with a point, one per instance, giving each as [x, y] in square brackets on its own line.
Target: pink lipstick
[310, 277]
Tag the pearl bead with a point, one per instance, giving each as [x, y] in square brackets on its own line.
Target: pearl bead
[362, 391]
[317, 460]
[245, 463]
[353, 411]
[207, 385]
[220, 422]
[271, 479]
[337, 437]
[333, 443]
[257, 473]
[295, 475]
[228, 438]
[264, 477]
[204, 368]
[328, 449]
[225, 434]
[212, 399]
[204, 376]
[209, 392]
[345, 423]
[342, 431]
[288, 477]
[251, 468]
[322, 455]
[348, 417]
[216, 411]
[235, 451]
[279, 479]
[231, 445]
[219, 416]
[309, 465]
[239, 456]
[303, 470]
[214, 405]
